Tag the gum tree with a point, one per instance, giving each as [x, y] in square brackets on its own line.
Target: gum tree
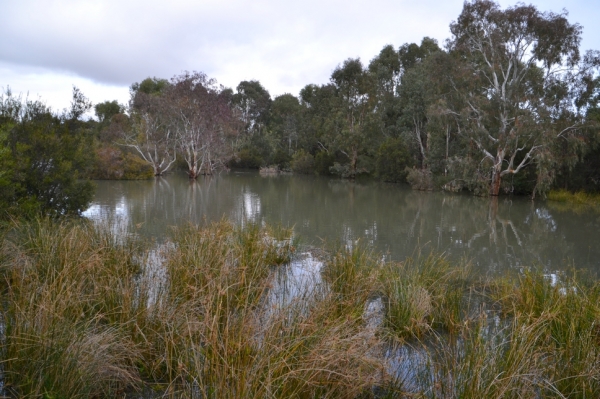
[202, 121]
[151, 135]
[518, 77]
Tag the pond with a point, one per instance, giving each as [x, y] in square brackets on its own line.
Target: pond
[493, 234]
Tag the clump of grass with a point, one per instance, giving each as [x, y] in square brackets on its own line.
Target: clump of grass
[571, 338]
[231, 343]
[578, 201]
[579, 197]
[422, 293]
[351, 277]
[67, 286]
[79, 320]
[543, 343]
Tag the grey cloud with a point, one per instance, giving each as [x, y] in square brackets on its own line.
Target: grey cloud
[283, 44]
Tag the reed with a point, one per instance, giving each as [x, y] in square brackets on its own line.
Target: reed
[66, 300]
[89, 314]
[240, 345]
[578, 202]
[424, 292]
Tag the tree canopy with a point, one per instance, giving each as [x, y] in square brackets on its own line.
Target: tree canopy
[43, 157]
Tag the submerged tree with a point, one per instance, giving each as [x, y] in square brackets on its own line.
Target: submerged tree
[151, 135]
[202, 121]
[517, 77]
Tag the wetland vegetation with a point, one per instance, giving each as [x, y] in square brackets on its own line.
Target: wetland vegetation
[227, 311]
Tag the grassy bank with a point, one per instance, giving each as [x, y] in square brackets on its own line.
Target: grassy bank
[577, 200]
[220, 312]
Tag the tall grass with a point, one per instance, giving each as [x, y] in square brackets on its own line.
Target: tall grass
[579, 201]
[68, 298]
[80, 322]
[424, 292]
[543, 342]
[236, 344]
[83, 315]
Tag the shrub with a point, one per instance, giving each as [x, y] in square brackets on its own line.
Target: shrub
[112, 163]
[420, 179]
[247, 158]
[303, 162]
[281, 158]
[323, 163]
[392, 160]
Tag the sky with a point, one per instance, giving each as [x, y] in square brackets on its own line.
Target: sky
[103, 46]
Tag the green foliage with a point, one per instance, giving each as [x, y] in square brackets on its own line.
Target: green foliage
[45, 158]
[285, 123]
[107, 109]
[323, 163]
[113, 163]
[302, 162]
[281, 158]
[247, 158]
[393, 158]
[254, 103]
[149, 85]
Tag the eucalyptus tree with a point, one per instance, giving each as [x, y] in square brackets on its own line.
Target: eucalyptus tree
[416, 93]
[151, 134]
[284, 122]
[384, 72]
[107, 109]
[202, 121]
[254, 103]
[352, 110]
[519, 79]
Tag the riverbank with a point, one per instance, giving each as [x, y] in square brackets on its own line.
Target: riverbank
[577, 198]
[236, 312]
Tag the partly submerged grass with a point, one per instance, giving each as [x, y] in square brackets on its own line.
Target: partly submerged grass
[88, 315]
[80, 320]
[579, 197]
[579, 201]
[423, 293]
[68, 298]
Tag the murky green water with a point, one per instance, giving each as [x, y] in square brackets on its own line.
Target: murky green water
[494, 235]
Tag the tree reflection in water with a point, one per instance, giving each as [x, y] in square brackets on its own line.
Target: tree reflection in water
[494, 233]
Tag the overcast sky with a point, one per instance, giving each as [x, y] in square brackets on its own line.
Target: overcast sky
[103, 46]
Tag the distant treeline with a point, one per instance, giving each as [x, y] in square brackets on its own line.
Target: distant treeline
[508, 105]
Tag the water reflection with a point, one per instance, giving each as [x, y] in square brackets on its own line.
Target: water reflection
[494, 234]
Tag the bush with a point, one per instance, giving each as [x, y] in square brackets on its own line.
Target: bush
[420, 179]
[342, 170]
[303, 162]
[114, 164]
[44, 159]
[393, 158]
[281, 158]
[247, 158]
[323, 163]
